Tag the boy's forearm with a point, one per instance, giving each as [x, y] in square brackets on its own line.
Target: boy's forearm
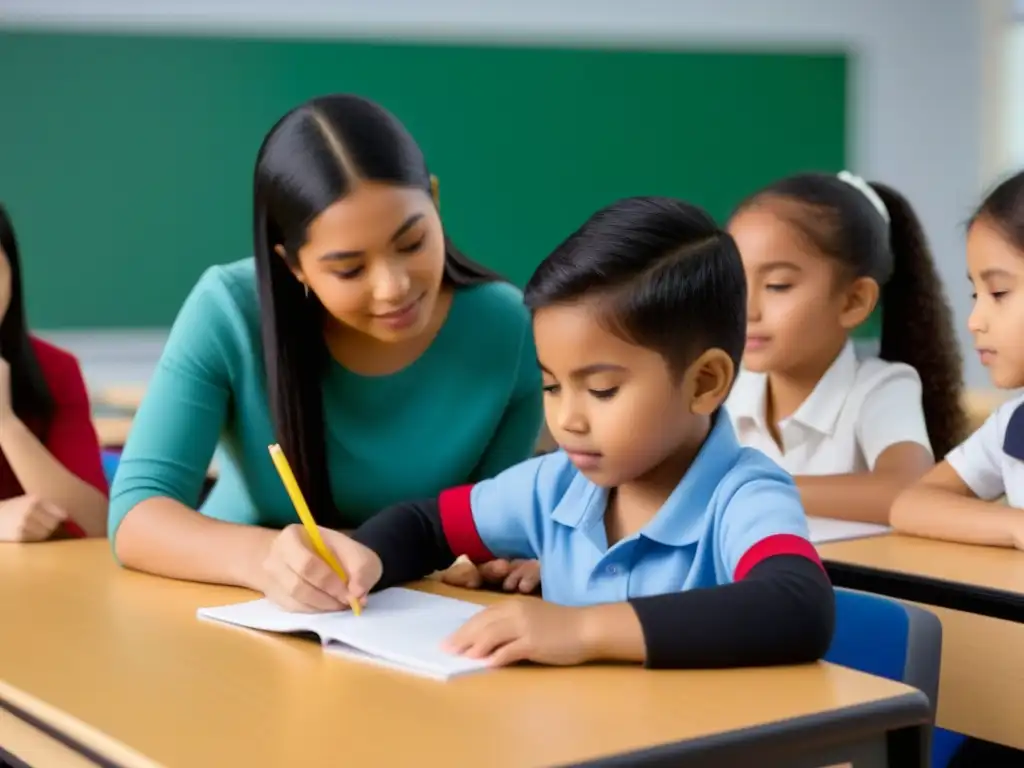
[409, 539]
[612, 632]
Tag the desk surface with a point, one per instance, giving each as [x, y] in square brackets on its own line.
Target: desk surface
[112, 430]
[118, 662]
[975, 566]
[124, 396]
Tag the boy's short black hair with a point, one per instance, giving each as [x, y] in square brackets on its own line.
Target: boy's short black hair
[672, 278]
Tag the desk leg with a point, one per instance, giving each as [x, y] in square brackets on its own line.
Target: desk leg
[909, 746]
[903, 748]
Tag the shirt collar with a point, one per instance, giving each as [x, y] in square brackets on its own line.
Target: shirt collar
[1013, 439]
[820, 411]
[747, 400]
[681, 519]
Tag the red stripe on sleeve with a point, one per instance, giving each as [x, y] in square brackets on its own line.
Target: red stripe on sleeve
[780, 544]
[458, 524]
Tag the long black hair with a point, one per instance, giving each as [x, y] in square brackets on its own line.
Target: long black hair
[30, 394]
[917, 322]
[672, 278]
[312, 157]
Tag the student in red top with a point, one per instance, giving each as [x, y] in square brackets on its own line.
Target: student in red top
[51, 475]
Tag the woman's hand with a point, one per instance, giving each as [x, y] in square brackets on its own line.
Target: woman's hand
[297, 579]
[513, 575]
[27, 518]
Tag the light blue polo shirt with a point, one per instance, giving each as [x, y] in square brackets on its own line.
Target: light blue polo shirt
[731, 499]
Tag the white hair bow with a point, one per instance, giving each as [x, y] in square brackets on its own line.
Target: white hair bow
[868, 191]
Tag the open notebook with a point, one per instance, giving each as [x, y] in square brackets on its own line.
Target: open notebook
[824, 530]
[399, 628]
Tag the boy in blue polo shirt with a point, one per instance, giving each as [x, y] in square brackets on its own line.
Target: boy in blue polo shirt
[660, 539]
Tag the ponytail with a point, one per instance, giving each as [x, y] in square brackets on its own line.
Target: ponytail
[294, 356]
[917, 324]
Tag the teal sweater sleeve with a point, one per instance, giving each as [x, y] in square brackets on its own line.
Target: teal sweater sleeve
[176, 430]
[517, 434]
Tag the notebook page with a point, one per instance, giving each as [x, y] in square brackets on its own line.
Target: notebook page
[406, 628]
[825, 529]
[264, 615]
[399, 628]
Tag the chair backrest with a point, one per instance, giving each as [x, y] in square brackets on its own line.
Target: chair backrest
[110, 461]
[888, 638]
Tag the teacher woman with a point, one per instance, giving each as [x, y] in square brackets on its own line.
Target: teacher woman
[387, 365]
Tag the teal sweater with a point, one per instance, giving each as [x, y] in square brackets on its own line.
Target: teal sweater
[469, 407]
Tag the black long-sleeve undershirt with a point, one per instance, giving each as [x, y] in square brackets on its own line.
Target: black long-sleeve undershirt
[781, 612]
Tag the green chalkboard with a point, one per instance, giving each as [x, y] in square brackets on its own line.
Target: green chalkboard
[127, 160]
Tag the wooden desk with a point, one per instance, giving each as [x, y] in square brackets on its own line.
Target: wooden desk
[116, 662]
[978, 594]
[33, 747]
[112, 430]
[988, 581]
[128, 396]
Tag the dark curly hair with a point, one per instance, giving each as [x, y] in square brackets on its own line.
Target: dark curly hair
[917, 322]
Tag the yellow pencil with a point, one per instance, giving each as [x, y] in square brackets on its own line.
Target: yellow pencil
[291, 485]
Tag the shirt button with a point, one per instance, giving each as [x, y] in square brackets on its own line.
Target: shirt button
[614, 570]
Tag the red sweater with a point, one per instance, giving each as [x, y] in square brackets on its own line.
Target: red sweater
[71, 437]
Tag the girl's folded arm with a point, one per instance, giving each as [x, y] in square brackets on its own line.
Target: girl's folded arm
[942, 506]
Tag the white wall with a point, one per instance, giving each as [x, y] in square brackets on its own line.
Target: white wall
[920, 81]
[1014, 93]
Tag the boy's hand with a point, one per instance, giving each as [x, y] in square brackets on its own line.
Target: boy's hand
[513, 575]
[27, 518]
[297, 579]
[523, 630]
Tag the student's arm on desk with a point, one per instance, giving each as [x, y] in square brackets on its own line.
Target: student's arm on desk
[866, 496]
[892, 436]
[153, 525]
[956, 500]
[64, 468]
[942, 506]
[778, 608]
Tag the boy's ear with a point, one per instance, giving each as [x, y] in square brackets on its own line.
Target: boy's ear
[710, 376]
[861, 300]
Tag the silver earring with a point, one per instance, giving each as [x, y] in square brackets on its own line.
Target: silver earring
[306, 289]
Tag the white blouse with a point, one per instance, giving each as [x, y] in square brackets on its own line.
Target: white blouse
[991, 461]
[859, 408]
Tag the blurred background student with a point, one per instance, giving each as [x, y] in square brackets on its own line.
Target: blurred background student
[51, 477]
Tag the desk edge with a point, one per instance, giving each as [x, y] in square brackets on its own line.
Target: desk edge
[929, 590]
[58, 735]
[784, 739]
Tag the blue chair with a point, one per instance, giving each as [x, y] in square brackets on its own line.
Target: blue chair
[890, 639]
[110, 461]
